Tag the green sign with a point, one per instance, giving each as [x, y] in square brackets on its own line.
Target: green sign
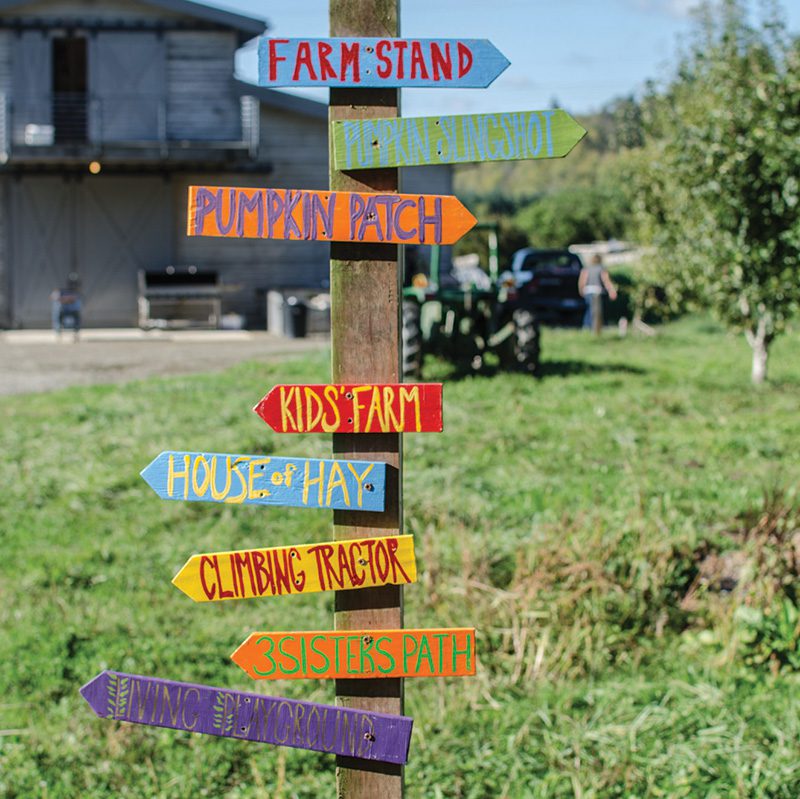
[417, 141]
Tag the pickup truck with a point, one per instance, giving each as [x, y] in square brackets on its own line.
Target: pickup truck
[548, 280]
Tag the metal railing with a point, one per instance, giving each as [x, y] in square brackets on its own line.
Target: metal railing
[44, 122]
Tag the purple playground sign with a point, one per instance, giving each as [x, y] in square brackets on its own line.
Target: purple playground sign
[250, 717]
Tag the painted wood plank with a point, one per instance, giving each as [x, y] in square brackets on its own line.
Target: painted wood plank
[302, 569]
[471, 138]
[268, 480]
[372, 62]
[299, 215]
[252, 717]
[353, 408]
[358, 654]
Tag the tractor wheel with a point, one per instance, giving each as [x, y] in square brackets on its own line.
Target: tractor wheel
[522, 353]
[412, 340]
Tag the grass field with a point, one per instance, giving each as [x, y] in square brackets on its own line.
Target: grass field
[622, 532]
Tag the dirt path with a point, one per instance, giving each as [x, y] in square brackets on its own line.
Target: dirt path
[35, 360]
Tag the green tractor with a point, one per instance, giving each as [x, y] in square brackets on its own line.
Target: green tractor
[462, 312]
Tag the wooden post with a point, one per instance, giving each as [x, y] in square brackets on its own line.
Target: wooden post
[365, 339]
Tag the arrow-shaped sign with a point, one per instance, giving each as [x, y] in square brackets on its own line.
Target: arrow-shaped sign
[251, 717]
[355, 654]
[416, 141]
[276, 571]
[267, 480]
[296, 214]
[389, 63]
[363, 408]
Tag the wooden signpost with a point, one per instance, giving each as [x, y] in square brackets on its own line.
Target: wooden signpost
[251, 717]
[365, 407]
[416, 141]
[302, 569]
[394, 408]
[268, 480]
[365, 348]
[300, 215]
[379, 62]
[358, 654]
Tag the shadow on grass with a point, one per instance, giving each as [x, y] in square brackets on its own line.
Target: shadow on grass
[456, 372]
[565, 368]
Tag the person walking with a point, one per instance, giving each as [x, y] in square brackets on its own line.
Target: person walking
[593, 280]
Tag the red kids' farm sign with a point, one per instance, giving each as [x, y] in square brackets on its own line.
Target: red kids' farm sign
[363, 408]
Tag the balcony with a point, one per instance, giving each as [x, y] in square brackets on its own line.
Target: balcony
[74, 127]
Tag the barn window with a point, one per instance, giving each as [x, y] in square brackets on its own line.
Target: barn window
[69, 88]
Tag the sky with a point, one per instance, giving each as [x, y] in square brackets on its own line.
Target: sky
[581, 53]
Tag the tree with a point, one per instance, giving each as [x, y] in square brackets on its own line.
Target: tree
[720, 184]
[579, 214]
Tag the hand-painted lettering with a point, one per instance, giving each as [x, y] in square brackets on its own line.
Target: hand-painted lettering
[223, 226]
[464, 59]
[441, 61]
[210, 590]
[382, 49]
[379, 62]
[358, 654]
[411, 141]
[304, 59]
[290, 214]
[326, 70]
[172, 475]
[418, 66]
[235, 714]
[238, 479]
[207, 202]
[358, 409]
[274, 58]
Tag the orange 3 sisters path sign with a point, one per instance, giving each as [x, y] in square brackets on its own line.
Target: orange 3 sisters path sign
[358, 654]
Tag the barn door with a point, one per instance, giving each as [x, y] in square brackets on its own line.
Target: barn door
[126, 225]
[103, 229]
[42, 252]
[31, 85]
[127, 82]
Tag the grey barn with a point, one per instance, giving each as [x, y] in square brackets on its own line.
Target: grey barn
[109, 110]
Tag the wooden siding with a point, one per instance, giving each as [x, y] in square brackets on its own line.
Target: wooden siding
[126, 82]
[201, 102]
[296, 147]
[6, 38]
[31, 83]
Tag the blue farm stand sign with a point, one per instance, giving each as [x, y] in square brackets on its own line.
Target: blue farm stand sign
[373, 62]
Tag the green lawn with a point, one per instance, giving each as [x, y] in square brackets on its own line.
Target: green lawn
[567, 518]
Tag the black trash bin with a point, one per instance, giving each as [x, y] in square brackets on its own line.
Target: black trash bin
[295, 317]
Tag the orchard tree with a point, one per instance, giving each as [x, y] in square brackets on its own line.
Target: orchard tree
[720, 179]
